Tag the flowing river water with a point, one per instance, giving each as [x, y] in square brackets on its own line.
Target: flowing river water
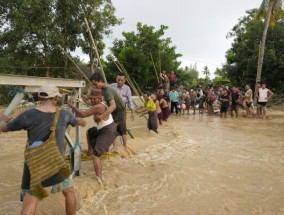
[195, 165]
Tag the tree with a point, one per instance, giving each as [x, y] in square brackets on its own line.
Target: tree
[241, 59]
[220, 78]
[271, 9]
[31, 30]
[100, 17]
[188, 76]
[135, 50]
[206, 72]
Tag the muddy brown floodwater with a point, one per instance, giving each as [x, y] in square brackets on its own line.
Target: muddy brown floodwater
[195, 165]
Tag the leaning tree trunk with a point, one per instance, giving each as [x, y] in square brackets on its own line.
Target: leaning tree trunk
[263, 39]
[262, 46]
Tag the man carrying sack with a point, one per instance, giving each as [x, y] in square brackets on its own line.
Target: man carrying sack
[46, 126]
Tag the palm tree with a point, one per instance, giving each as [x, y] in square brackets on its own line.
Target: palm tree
[206, 72]
[272, 11]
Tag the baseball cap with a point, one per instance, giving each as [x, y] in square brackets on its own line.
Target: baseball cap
[48, 91]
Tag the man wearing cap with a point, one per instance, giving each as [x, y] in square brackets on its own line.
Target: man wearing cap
[38, 121]
[102, 135]
[124, 91]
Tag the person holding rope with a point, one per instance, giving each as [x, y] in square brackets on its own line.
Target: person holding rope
[37, 122]
[124, 91]
[149, 107]
[102, 135]
[115, 104]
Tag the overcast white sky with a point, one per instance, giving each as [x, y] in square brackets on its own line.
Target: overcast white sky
[198, 28]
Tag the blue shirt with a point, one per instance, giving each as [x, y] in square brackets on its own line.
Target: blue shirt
[174, 96]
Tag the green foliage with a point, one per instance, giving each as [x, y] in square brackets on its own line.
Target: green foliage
[188, 77]
[30, 31]
[206, 72]
[242, 57]
[134, 52]
[221, 78]
[277, 11]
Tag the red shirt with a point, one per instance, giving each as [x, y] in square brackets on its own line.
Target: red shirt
[172, 77]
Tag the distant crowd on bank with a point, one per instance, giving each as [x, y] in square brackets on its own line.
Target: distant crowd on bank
[223, 100]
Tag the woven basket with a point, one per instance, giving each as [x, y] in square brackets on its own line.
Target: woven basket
[45, 161]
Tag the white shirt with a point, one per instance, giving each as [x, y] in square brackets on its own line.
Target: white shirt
[104, 123]
[263, 94]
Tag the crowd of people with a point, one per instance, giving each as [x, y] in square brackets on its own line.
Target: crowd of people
[108, 105]
[221, 99]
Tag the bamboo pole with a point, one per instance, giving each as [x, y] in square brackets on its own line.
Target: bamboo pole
[154, 67]
[96, 49]
[160, 63]
[75, 65]
[139, 93]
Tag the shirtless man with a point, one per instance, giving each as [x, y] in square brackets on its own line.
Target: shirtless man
[210, 101]
[164, 105]
[247, 102]
[193, 100]
[101, 136]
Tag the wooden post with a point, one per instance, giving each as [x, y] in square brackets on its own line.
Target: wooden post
[13, 105]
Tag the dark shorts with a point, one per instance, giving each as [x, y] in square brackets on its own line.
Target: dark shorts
[121, 126]
[224, 108]
[263, 104]
[102, 139]
[234, 107]
[192, 103]
[248, 104]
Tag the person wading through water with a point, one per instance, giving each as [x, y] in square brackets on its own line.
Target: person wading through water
[102, 135]
[37, 122]
[125, 93]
